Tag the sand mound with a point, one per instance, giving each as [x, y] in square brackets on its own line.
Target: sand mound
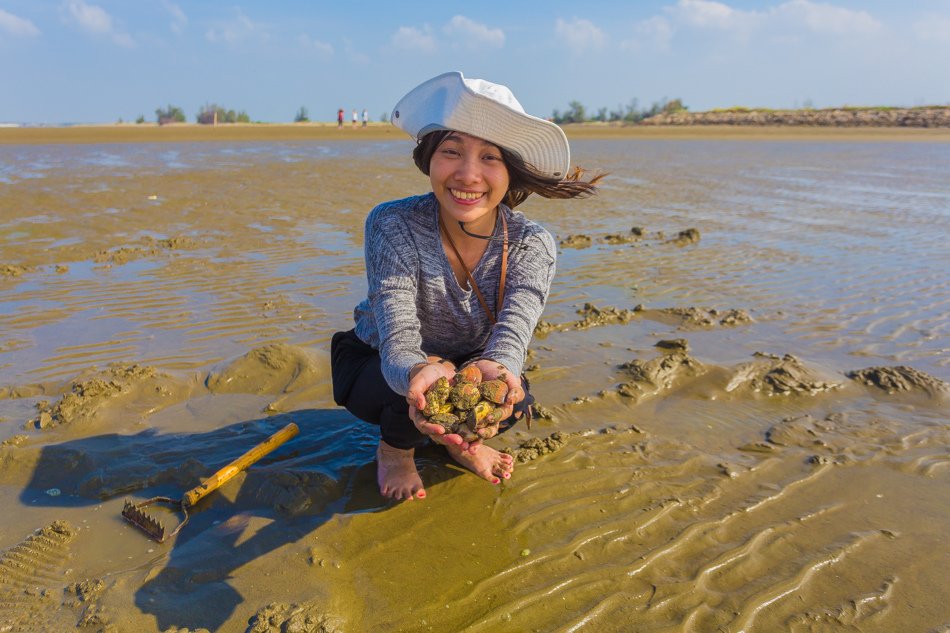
[659, 374]
[536, 447]
[13, 270]
[900, 379]
[116, 386]
[296, 618]
[776, 376]
[276, 369]
[708, 317]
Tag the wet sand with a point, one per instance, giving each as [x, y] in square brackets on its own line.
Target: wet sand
[152, 133]
[741, 370]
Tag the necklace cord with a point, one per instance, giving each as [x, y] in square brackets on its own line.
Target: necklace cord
[471, 280]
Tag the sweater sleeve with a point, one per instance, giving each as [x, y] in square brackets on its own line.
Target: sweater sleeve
[530, 274]
[392, 265]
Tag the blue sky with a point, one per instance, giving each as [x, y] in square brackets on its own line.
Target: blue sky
[102, 60]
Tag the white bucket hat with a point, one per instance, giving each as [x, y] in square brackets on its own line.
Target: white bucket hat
[486, 110]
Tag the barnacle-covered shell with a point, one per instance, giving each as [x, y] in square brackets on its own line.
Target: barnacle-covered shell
[447, 421]
[478, 416]
[464, 395]
[439, 389]
[436, 396]
[467, 431]
[469, 373]
[497, 416]
[494, 390]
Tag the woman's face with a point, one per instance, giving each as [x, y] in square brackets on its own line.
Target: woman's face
[469, 177]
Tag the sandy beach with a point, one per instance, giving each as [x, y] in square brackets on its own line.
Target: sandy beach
[742, 377]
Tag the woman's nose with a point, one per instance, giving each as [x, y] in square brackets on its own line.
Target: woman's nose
[468, 170]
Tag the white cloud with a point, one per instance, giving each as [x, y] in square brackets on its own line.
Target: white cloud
[179, 19]
[785, 22]
[471, 34]
[322, 49]
[826, 18]
[934, 28]
[89, 17]
[654, 33]
[410, 38]
[580, 35]
[15, 25]
[707, 14]
[96, 20]
[811, 16]
[235, 30]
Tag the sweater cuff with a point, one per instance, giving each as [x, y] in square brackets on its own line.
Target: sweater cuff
[398, 373]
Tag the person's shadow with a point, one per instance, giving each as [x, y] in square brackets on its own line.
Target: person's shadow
[329, 468]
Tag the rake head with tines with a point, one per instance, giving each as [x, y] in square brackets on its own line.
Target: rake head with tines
[137, 516]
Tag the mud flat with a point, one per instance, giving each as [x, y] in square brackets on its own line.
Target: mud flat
[734, 431]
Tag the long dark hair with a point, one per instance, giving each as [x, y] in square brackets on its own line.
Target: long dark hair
[523, 178]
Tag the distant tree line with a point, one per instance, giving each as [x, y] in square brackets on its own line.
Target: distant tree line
[630, 113]
[576, 112]
[170, 114]
[209, 113]
[213, 113]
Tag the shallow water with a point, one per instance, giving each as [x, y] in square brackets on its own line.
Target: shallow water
[199, 284]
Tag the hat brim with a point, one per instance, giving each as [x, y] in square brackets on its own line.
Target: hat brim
[446, 102]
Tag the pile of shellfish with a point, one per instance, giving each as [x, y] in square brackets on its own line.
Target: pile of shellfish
[466, 405]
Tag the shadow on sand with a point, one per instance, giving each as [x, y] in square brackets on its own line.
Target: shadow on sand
[328, 469]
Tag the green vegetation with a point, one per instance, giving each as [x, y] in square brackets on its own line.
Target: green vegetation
[577, 113]
[213, 113]
[844, 108]
[302, 115]
[140, 120]
[171, 114]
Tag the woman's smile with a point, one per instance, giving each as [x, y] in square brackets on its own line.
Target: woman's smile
[466, 196]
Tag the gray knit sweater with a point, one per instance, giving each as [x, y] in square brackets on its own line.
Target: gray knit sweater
[415, 305]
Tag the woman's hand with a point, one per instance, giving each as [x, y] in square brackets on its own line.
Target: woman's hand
[421, 377]
[492, 370]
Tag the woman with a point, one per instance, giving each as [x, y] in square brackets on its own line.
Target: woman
[455, 276]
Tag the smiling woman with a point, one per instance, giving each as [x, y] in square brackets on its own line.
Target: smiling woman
[448, 290]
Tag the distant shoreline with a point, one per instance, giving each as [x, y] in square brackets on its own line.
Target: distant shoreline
[919, 117]
[192, 132]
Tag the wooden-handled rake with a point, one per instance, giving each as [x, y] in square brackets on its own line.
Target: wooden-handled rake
[136, 514]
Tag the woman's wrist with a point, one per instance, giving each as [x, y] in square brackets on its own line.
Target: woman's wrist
[415, 369]
[432, 360]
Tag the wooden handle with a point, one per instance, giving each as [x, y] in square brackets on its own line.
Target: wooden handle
[224, 475]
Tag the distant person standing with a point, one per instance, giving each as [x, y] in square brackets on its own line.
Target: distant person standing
[355, 118]
[365, 117]
[339, 118]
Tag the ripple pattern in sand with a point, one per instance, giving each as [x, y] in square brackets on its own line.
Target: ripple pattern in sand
[623, 530]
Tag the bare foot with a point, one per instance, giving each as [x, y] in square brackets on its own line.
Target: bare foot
[486, 462]
[396, 473]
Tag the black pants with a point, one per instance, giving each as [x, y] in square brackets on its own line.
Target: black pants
[358, 385]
